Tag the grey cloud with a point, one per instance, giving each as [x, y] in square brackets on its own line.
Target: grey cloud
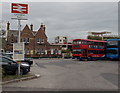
[72, 19]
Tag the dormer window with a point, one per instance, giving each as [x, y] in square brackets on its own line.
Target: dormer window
[40, 40]
[26, 40]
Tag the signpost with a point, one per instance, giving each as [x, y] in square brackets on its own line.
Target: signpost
[18, 51]
[20, 11]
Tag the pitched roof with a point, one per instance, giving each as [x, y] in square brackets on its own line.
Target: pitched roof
[14, 32]
[26, 27]
[34, 32]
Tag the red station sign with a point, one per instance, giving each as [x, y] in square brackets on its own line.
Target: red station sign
[19, 8]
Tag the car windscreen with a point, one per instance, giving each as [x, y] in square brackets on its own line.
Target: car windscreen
[6, 60]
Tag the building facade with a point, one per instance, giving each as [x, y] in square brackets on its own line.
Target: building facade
[61, 39]
[36, 42]
[101, 35]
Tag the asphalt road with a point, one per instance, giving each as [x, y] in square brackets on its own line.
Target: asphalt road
[69, 74]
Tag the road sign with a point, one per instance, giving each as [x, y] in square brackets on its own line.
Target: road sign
[19, 8]
[18, 51]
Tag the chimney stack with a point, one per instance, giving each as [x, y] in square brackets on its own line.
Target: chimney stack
[44, 27]
[41, 25]
[8, 26]
[31, 27]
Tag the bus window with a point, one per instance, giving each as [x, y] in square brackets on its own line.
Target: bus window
[77, 51]
[100, 52]
[74, 42]
[90, 51]
[89, 46]
[100, 43]
[112, 42]
[84, 42]
[95, 43]
[95, 52]
[118, 43]
[76, 46]
[79, 42]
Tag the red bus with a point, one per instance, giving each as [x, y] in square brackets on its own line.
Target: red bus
[88, 49]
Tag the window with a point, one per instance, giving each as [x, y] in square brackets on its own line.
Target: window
[90, 52]
[38, 51]
[76, 46]
[112, 42]
[84, 42]
[55, 51]
[27, 51]
[65, 37]
[26, 40]
[74, 42]
[42, 51]
[6, 60]
[76, 51]
[12, 41]
[101, 52]
[40, 40]
[89, 46]
[89, 42]
[77, 42]
[23, 40]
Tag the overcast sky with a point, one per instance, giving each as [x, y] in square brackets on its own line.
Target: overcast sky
[68, 19]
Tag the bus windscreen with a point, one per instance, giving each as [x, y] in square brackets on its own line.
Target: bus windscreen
[112, 42]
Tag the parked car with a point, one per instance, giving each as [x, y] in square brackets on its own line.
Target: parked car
[11, 67]
[10, 55]
[26, 60]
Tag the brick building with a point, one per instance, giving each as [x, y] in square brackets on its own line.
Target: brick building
[36, 42]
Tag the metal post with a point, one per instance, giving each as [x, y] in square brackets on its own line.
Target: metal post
[19, 28]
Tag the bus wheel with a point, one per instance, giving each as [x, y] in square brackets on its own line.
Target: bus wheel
[119, 58]
[88, 59]
[80, 59]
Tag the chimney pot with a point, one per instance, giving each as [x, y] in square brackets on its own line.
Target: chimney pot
[42, 25]
[8, 26]
[31, 27]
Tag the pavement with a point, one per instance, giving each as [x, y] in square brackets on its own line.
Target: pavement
[21, 79]
[69, 74]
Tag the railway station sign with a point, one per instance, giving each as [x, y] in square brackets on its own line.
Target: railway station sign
[19, 8]
[19, 11]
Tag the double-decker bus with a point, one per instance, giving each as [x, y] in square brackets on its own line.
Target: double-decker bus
[88, 49]
[113, 49]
